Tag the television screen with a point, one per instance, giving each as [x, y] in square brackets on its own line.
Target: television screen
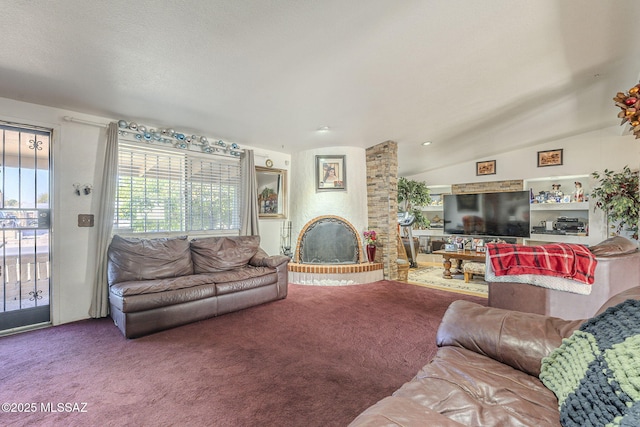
[488, 214]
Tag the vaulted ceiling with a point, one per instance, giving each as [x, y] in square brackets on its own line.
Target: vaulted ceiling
[474, 77]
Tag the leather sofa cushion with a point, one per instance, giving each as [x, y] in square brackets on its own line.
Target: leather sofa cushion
[394, 411]
[242, 273]
[475, 390]
[614, 246]
[148, 259]
[139, 295]
[141, 287]
[148, 301]
[213, 254]
[242, 284]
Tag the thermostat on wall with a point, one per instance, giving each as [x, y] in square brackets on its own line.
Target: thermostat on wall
[269, 163]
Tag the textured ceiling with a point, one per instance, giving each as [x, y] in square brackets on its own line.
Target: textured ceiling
[475, 77]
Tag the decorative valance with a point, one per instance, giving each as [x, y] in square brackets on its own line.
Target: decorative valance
[180, 140]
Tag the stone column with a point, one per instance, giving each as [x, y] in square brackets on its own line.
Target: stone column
[382, 203]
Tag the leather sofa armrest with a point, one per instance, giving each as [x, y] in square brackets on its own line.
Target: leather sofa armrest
[261, 259]
[515, 338]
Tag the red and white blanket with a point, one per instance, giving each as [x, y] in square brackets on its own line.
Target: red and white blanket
[575, 262]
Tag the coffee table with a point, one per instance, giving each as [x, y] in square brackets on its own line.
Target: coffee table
[459, 256]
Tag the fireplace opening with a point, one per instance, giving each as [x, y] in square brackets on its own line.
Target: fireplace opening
[329, 253]
[329, 240]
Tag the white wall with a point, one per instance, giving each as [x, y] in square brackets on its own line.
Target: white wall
[582, 154]
[610, 148]
[269, 227]
[307, 203]
[78, 158]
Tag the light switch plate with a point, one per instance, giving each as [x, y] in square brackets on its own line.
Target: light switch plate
[85, 220]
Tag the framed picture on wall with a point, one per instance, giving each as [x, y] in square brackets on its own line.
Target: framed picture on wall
[487, 167]
[550, 158]
[272, 192]
[331, 173]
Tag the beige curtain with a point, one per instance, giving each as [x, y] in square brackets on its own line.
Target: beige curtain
[100, 301]
[249, 225]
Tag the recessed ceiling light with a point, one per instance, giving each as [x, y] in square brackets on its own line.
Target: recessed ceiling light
[323, 129]
[426, 143]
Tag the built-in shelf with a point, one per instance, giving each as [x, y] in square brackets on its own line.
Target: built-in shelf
[557, 238]
[429, 232]
[573, 206]
[584, 211]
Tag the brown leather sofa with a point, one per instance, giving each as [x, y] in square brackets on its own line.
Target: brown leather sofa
[156, 284]
[485, 372]
[617, 269]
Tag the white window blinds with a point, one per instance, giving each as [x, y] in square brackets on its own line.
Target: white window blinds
[173, 191]
[213, 194]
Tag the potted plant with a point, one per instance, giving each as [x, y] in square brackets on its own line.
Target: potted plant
[412, 195]
[617, 195]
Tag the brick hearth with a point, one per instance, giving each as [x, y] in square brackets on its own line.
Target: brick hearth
[335, 274]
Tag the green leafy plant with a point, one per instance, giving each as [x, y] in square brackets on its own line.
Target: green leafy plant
[411, 196]
[617, 195]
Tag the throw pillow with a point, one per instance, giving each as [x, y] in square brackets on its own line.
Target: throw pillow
[595, 373]
[213, 254]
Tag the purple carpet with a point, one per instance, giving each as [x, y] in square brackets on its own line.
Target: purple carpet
[317, 358]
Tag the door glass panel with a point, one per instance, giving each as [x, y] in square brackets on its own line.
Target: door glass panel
[25, 267]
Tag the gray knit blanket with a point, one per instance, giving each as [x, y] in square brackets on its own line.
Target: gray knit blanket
[595, 373]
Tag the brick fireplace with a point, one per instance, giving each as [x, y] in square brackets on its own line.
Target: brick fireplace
[329, 252]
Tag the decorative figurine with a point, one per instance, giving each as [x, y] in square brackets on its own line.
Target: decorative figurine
[579, 193]
[557, 194]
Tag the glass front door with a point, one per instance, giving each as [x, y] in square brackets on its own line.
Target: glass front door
[25, 266]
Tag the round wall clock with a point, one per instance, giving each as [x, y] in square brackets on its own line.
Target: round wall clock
[269, 163]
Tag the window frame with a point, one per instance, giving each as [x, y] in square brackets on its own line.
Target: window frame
[187, 158]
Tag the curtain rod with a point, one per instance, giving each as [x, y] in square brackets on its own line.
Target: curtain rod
[84, 122]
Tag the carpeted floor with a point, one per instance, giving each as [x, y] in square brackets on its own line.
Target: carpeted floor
[317, 358]
[432, 277]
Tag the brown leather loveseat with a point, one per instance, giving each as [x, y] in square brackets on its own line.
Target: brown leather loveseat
[485, 372]
[618, 269]
[156, 284]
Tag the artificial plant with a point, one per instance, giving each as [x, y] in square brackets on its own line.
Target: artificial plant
[617, 195]
[411, 196]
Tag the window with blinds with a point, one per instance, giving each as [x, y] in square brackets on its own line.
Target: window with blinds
[175, 191]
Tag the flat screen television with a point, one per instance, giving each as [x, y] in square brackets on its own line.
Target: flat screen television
[488, 214]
